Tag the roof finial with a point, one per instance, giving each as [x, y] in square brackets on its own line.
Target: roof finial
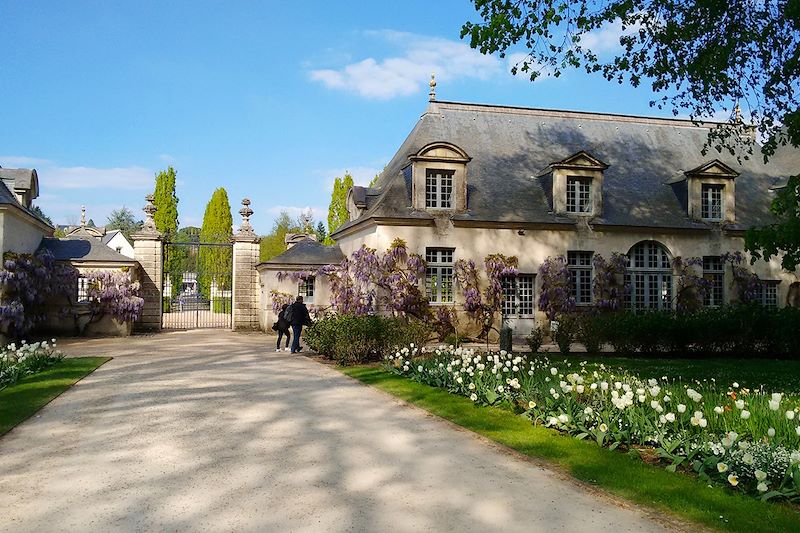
[432, 94]
[737, 113]
[83, 215]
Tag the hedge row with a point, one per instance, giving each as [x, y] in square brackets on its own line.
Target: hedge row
[351, 340]
[736, 330]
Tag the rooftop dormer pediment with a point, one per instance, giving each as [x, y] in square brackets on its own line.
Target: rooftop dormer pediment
[712, 169]
[580, 160]
[441, 151]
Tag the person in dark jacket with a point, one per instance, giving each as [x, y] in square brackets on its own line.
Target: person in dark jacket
[298, 317]
[282, 327]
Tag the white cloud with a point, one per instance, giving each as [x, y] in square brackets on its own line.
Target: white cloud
[606, 38]
[320, 213]
[54, 176]
[409, 72]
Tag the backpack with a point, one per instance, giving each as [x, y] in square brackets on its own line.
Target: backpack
[287, 315]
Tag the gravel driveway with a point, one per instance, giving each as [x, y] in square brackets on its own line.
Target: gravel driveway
[208, 430]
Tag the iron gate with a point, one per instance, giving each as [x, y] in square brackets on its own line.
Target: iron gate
[197, 285]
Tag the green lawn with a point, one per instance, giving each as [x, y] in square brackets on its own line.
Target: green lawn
[23, 399]
[774, 375]
[619, 473]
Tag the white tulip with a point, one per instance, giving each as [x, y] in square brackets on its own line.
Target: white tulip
[745, 414]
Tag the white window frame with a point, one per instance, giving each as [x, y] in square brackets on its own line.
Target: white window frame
[306, 288]
[579, 264]
[519, 296]
[82, 289]
[767, 293]
[714, 272]
[650, 277]
[579, 195]
[439, 187]
[439, 274]
[712, 201]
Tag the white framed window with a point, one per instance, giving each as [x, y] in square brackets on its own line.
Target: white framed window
[711, 202]
[439, 275]
[579, 195]
[580, 269]
[518, 296]
[305, 288]
[649, 277]
[439, 188]
[714, 273]
[767, 293]
[82, 289]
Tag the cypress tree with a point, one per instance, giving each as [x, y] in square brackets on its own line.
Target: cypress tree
[166, 201]
[337, 210]
[215, 261]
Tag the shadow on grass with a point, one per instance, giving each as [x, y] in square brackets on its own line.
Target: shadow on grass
[21, 400]
[618, 473]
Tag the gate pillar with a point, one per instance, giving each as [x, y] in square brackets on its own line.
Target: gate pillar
[246, 252]
[148, 251]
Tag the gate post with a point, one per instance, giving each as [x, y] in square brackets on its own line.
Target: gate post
[148, 251]
[246, 252]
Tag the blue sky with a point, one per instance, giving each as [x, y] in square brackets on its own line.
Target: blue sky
[271, 100]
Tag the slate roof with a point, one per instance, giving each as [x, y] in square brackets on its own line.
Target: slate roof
[79, 247]
[308, 252]
[24, 178]
[110, 234]
[510, 148]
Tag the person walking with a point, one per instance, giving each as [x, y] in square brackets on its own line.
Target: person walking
[282, 327]
[298, 316]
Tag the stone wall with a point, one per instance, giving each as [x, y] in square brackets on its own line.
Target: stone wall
[148, 251]
[245, 283]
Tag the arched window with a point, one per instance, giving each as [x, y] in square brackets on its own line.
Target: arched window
[649, 276]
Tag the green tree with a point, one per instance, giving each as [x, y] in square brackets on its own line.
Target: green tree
[700, 57]
[274, 243]
[337, 211]
[783, 236]
[123, 220]
[166, 202]
[374, 180]
[215, 261]
[38, 212]
[322, 234]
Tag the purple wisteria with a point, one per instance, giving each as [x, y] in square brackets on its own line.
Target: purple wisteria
[556, 298]
[113, 292]
[608, 288]
[745, 283]
[691, 287]
[482, 307]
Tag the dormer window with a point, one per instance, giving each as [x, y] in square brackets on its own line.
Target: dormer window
[576, 184]
[439, 188]
[439, 178]
[579, 195]
[711, 202]
[708, 192]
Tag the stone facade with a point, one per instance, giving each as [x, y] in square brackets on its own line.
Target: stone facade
[246, 252]
[148, 250]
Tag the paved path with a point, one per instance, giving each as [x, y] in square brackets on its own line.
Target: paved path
[208, 431]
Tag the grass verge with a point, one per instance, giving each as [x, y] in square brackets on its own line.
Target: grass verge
[618, 473]
[21, 400]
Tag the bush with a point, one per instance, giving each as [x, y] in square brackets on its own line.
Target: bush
[590, 332]
[535, 339]
[352, 340]
[741, 330]
[565, 333]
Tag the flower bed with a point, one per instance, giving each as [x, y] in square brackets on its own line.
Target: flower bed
[19, 361]
[746, 439]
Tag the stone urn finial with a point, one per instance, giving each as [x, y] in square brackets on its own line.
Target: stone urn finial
[149, 210]
[432, 84]
[246, 229]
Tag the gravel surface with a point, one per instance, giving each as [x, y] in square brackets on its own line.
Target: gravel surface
[210, 430]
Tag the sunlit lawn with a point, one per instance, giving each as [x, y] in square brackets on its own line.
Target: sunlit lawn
[21, 400]
[622, 474]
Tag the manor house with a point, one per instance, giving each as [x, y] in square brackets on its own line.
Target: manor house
[473, 179]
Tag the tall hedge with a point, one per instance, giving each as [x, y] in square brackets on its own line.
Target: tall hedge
[215, 261]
